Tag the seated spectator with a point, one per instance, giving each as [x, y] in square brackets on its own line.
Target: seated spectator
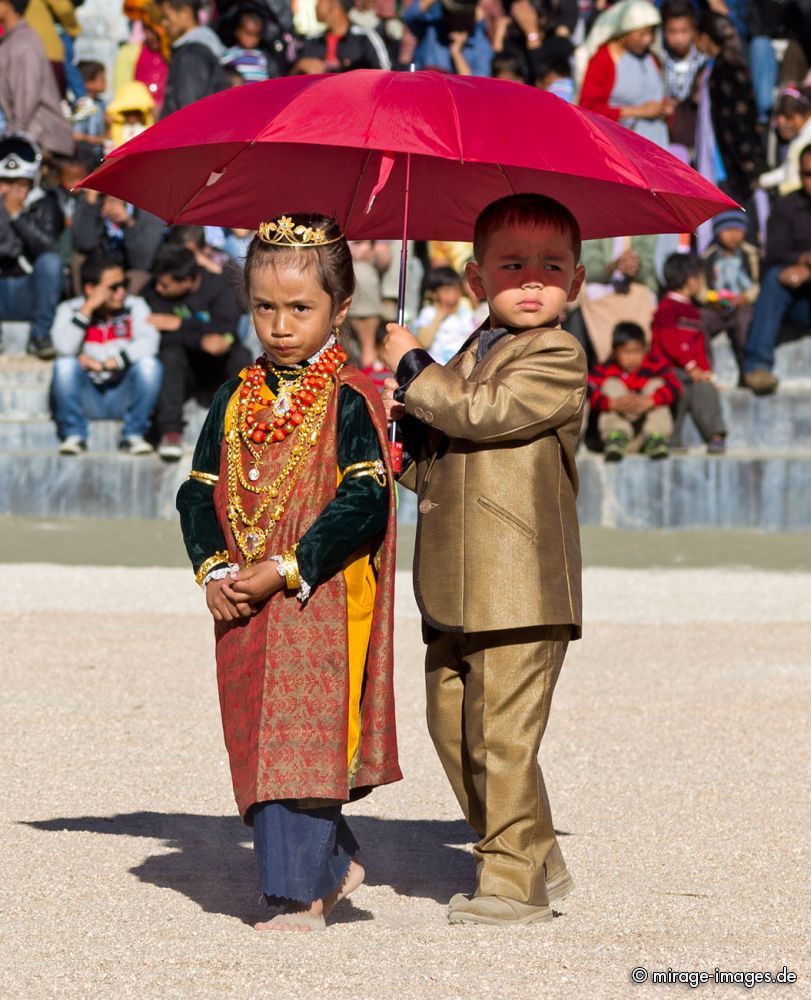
[197, 314]
[194, 67]
[730, 282]
[276, 43]
[30, 226]
[344, 46]
[535, 33]
[446, 321]
[682, 62]
[129, 235]
[433, 21]
[792, 126]
[370, 258]
[246, 55]
[785, 289]
[29, 96]
[131, 112]
[620, 285]
[678, 340]
[554, 73]
[90, 120]
[623, 81]
[194, 239]
[632, 394]
[106, 366]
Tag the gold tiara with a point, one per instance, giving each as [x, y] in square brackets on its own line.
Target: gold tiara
[283, 232]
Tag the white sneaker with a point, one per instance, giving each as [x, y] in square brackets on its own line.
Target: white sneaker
[134, 444]
[170, 448]
[72, 445]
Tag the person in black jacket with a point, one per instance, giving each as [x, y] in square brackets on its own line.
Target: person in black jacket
[194, 68]
[197, 313]
[344, 46]
[128, 234]
[31, 222]
[785, 289]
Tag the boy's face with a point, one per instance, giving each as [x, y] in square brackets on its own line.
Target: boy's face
[788, 126]
[629, 356]
[447, 296]
[730, 239]
[114, 282]
[679, 34]
[96, 85]
[528, 274]
[249, 33]
[692, 286]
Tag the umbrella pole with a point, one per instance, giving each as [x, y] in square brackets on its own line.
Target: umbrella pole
[395, 446]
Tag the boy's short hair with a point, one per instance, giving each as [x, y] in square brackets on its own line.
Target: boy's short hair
[678, 8]
[626, 333]
[440, 277]
[678, 269]
[176, 261]
[524, 209]
[94, 265]
[507, 64]
[196, 5]
[90, 69]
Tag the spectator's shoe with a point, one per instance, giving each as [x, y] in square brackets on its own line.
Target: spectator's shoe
[42, 348]
[717, 445]
[134, 444]
[761, 382]
[170, 448]
[656, 447]
[616, 445]
[72, 445]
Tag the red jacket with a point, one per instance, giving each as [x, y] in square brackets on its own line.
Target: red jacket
[598, 84]
[665, 395]
[677, 336]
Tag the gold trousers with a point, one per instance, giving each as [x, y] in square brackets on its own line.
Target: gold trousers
[489, 695]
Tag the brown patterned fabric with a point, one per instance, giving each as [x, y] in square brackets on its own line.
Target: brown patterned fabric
[282, 675]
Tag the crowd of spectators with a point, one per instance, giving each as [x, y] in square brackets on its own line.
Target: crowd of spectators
[141, 318]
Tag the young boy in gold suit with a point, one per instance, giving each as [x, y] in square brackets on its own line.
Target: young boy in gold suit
[492, 437]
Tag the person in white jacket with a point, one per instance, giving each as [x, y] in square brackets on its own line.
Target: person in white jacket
[106, 366]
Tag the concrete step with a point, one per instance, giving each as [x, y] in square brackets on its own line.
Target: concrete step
[752, 490]
[782, 421]
[792, 357]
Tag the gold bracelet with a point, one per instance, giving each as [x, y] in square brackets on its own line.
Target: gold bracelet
[289, 566]
[209, 564]
[376, 469]
[204, 477]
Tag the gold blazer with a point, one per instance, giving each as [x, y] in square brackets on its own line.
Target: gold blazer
[498, 543]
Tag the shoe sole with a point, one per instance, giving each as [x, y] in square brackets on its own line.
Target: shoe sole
[556, 889]
[543, 916]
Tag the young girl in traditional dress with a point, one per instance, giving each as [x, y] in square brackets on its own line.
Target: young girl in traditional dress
[289, 521]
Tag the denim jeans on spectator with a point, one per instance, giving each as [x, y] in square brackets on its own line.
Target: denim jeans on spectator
[776, 304]
[77, 399]
[34, 297]
[763, 66]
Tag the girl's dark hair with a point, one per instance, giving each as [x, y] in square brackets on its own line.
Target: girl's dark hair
[721, 31]
[440, 277]
[332, 261]
[792, 100]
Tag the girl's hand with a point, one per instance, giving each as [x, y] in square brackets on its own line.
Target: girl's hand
[222, 608]
[254, 584]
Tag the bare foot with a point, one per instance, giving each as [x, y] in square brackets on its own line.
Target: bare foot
[295, 917]
[354, 877]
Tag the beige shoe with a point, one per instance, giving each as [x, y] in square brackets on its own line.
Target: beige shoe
[557, 887]
[761, 382]
[498, 911]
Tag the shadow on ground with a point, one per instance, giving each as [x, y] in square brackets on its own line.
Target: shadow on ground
[211, 858]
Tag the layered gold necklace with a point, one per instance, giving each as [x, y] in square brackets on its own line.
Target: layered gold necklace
[298, 412]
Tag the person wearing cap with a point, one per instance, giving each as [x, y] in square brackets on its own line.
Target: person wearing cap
[792, 127]
[623, 81]
[29, 97]
[344, 46]
[436, 25]
[31, 223]
[785, 291]
[729, 281]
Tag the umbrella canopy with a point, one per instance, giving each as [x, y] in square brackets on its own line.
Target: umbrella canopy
[327, 143]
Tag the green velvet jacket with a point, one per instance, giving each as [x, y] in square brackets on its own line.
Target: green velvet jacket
[358, 513]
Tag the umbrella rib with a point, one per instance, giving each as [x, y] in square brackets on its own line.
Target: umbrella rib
[197, 190]
[456, 123]
[361, 175]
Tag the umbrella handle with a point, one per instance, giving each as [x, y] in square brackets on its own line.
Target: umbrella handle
[395, 446]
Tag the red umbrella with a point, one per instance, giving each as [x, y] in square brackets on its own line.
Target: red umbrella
[327, 143]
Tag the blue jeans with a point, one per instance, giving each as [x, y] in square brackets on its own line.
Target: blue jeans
[302, 854]
[34, 297]
[77, 399]
[763, 65]
[776, 304]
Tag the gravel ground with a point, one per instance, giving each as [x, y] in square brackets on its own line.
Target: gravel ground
[676, 758]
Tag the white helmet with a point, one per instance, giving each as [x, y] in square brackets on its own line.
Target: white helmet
[20, 157]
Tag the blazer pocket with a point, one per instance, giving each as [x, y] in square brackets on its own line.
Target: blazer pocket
[506, 517]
